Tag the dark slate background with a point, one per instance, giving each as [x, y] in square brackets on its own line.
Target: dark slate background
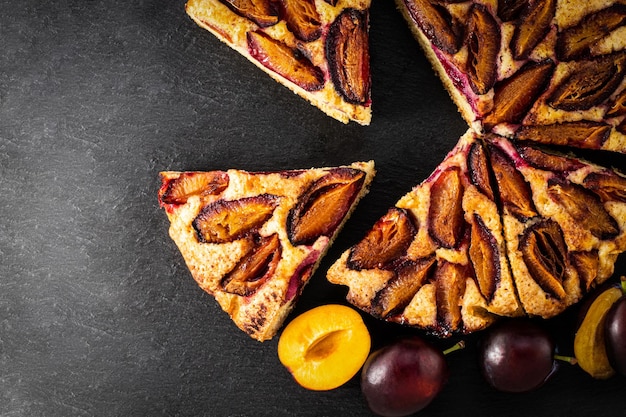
[98, 314]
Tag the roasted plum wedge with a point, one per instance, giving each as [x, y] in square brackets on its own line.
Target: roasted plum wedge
[255, 268]
[227, 220]
[320, 210]
[287, 61]
[262, 12]
[187, 184]
[347, 52]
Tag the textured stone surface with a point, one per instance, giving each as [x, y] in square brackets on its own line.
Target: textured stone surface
[98, 314]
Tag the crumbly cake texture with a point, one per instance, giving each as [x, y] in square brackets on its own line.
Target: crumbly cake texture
[551, 72]
[234, 30]
[216, 225]
[499, 229]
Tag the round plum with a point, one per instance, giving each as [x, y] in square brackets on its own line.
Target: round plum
[517, 356]
[615, 335]
[403, 377]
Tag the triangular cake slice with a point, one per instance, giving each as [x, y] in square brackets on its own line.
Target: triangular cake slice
[254, 239]
[497, 230]
[317, 48]
[548, 71]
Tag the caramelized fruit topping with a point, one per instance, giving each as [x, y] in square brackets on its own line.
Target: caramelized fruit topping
[584, 134]
[400, 290]
[591, 83]
[532, 27]
[514, 96]
[609, 186]
[228, 220]
[577, 41]
[188, 184]
[254, 269]
[547, 161]
[388, 239]
[479, 171]
[262, 12]
[515, 193]
[445, 212]
[347, 51]
[584, 207]
[436, 23]
[320, 210]
[483, 44]
[545, 254]
[286, 61]
[450, 283]
[485, 256]
[302, 19]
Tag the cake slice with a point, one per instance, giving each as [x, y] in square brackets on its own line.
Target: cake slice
[319, 49]
[254, 239]
[497, 230]
[548, 71]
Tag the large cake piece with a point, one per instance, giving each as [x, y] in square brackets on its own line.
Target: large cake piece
[499, 229]
[319, 49]
[549, 71]
[253, 239]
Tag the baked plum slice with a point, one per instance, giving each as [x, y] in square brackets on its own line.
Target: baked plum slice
[227, 220]
[480, 173]
[590, 83]
[436, 23]
[532, 26]
[547, 161]
[450, 286]
[445, 212]
[582, 134]
[576, 41]
[262, 12]
[485, 256]
[514, 191]
[483, 47]
[609, 186]
[586, 264]
[347, 52]
[255, 268]
[387, 240]
[289, 62]
[400, 290]
[187, 184]
[320, 210]
[514, 96]
[302, 19]
[584, 207]
[545, 254]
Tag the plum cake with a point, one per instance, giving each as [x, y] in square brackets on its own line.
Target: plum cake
[500, 228]
[317, 48]
[549, 71]
[253, 239]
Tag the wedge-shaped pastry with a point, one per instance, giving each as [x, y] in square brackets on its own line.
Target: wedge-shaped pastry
[497, 230]
[254, 239]
[317, 48]
[549, 71]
